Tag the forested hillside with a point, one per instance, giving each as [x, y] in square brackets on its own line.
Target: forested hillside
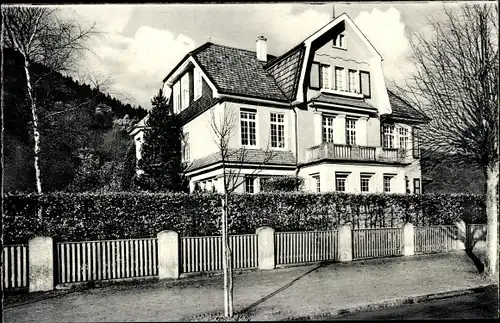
[83, 131]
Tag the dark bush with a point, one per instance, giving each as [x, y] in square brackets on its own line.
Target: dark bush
[90, 216]
[282, 184]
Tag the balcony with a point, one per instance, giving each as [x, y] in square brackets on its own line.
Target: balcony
[329, 150]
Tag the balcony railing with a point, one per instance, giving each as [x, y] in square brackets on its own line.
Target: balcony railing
[346, 152]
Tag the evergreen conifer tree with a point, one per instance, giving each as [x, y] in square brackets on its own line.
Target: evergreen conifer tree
[161, 149]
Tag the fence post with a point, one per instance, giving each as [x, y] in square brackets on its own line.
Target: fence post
[345, 243]
[168, 254]
[408, 242]
[461, 240]
[265, 242]
[41, 264]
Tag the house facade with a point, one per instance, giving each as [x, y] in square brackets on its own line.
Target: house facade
[320, 111]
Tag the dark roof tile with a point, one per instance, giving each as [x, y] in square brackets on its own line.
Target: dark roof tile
[253, 156]
[403, 110]
[237, 71]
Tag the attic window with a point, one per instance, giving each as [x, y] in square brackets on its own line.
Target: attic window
[339, 41]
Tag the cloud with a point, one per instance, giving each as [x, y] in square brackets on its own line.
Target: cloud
[386, 32]
[285, 27]
[136, 64]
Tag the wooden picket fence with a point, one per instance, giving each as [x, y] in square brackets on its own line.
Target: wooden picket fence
[305, 246]
[439, 238]
[135, 258]
[205, 253]
[106, 259]
[15, 266]
[380, 242]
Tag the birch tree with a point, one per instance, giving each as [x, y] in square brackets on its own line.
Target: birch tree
[455, 82]
[224, 127]
[41, 37]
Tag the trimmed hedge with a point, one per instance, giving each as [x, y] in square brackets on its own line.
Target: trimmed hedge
[90, 216]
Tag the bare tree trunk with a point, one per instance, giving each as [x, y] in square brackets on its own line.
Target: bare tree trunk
[492, 218]
[36, 133]
[229, 264]
[224, 257]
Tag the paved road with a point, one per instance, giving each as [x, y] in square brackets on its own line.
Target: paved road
[469, 306]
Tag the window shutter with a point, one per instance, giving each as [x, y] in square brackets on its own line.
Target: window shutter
[416, 142]
[364, 82]
[185, 91]
[177, 97]
[314, 77]
[381, 135]
[197, 84]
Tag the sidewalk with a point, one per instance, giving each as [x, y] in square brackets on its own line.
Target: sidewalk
[263, 295]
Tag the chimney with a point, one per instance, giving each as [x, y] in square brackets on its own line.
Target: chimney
[261, 48]
[333, 11]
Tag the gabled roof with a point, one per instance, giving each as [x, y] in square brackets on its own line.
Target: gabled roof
[237, 71]
[402, 110]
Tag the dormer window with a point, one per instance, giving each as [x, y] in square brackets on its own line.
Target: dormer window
[339, 41]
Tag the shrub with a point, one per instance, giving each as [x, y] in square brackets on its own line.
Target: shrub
[92, 216]
[282, 184]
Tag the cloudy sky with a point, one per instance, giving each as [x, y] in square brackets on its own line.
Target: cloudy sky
[140, 44]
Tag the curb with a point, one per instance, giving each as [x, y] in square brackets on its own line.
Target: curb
[389, 303]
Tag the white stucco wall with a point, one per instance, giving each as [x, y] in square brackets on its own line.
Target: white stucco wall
[327, 176]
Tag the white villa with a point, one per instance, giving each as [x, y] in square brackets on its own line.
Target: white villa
[322, 110]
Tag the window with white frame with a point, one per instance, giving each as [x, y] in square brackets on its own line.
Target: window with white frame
[341, 182]
[249, 185]
[339, 78]
[185, 91]
[365, 183]
[350, 129]
[339, 41]
[387, 183]
[388, 136]
[353, 84]
[197, 84]
[317, 183]
[277, 130]
[328, 128]
[248, 127]
[186, 148]
[416, 186]
[403, 137]
[325, 76]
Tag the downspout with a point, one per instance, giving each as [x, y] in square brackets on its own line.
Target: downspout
[296, 144]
